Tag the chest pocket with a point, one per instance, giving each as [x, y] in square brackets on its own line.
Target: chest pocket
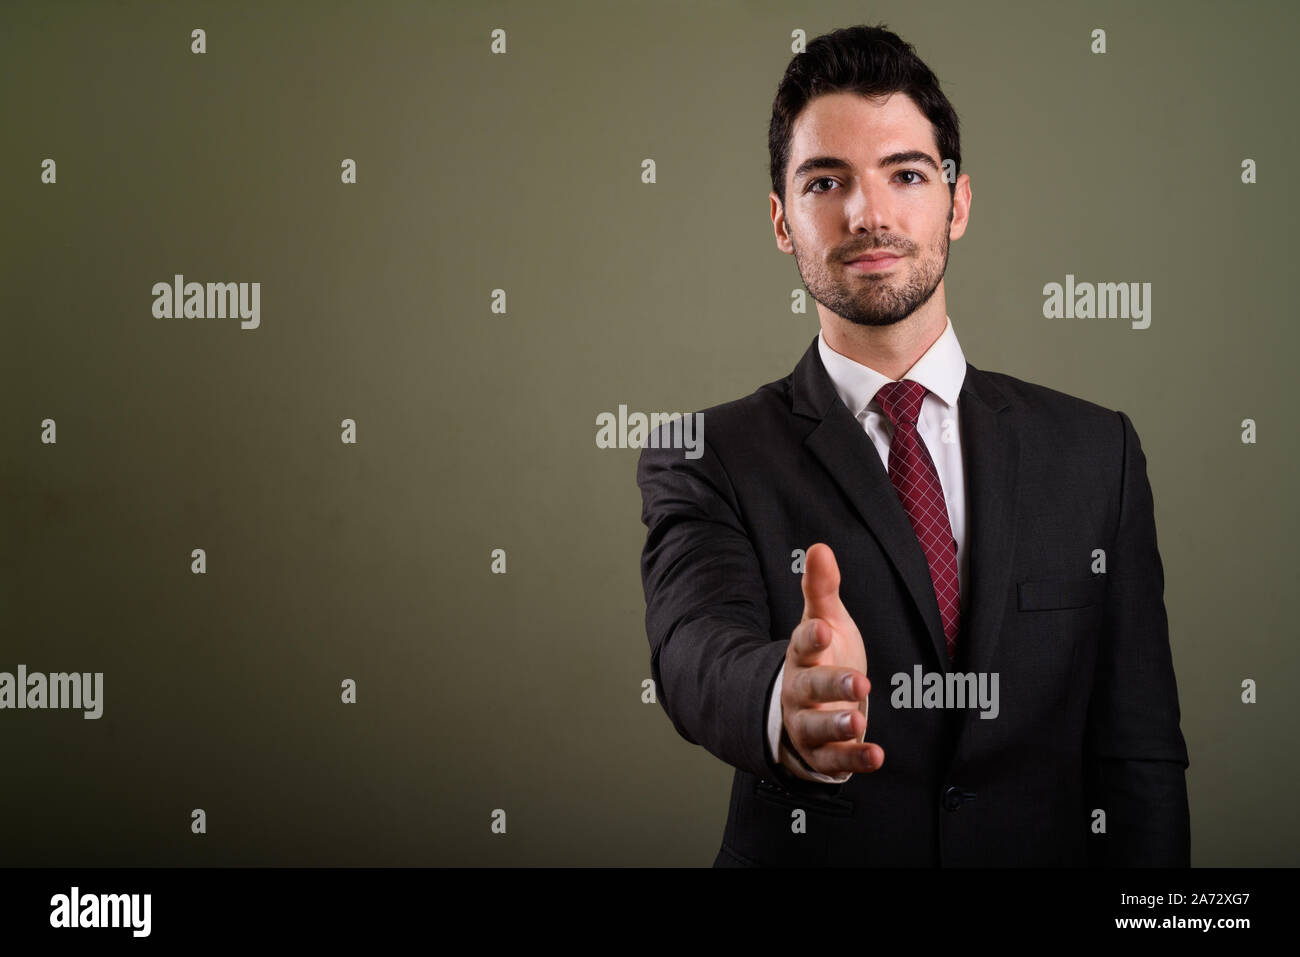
[1049, 595]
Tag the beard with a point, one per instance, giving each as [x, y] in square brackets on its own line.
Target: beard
[879, 300]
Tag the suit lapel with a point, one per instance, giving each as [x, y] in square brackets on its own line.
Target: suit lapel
[991, 454]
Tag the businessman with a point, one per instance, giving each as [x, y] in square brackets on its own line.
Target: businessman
[918, 606]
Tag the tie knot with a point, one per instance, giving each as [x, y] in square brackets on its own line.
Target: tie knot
[901, 400]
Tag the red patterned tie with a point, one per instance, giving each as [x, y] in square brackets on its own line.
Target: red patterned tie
[917, 482]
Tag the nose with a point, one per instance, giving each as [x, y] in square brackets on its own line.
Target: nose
[869, 206]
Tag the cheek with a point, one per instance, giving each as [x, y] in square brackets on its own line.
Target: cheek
[938, 233]
[823, 224]
[922, 219]
[816, 241]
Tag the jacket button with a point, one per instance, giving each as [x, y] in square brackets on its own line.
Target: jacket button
[952, 798]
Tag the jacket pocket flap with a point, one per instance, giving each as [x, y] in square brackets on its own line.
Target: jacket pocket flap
[832, 805]
[1044, 595]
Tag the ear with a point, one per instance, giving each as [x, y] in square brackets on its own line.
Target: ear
[778, 224]
[960, 208]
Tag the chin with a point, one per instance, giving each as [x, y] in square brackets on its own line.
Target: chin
[876, 320]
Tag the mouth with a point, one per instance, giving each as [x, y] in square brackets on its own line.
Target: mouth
[874, 262]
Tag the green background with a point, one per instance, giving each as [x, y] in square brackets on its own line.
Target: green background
[476, 430]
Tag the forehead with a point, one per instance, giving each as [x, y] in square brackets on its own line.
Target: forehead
[855, 127]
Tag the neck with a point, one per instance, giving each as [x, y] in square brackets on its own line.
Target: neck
[890, 350]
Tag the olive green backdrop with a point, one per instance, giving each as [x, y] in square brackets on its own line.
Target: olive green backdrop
[476, 429]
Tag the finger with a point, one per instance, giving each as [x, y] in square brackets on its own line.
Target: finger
[821, 587]
[812, 727]
[808, 641]
[841, 756]
[822, 683]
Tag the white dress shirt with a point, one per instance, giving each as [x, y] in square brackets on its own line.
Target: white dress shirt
[942, 369]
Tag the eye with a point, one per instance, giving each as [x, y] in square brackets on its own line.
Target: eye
[912, 172]
[819, 179]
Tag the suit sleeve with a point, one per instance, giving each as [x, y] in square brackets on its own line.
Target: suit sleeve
[1134, 754]
[712, 655]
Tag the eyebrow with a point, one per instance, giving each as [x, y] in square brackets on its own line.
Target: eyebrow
[889, 159]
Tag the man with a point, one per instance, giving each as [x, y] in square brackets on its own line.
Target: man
[978, 553]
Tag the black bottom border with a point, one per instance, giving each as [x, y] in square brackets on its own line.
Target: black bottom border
[335, 905]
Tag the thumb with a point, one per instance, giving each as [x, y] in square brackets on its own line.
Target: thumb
[821, 587]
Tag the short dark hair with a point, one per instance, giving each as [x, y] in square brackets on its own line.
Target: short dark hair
[871, 61]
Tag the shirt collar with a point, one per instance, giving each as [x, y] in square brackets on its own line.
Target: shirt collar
[942, 369]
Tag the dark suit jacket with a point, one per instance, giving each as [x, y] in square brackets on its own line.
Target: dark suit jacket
[1089, 714]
